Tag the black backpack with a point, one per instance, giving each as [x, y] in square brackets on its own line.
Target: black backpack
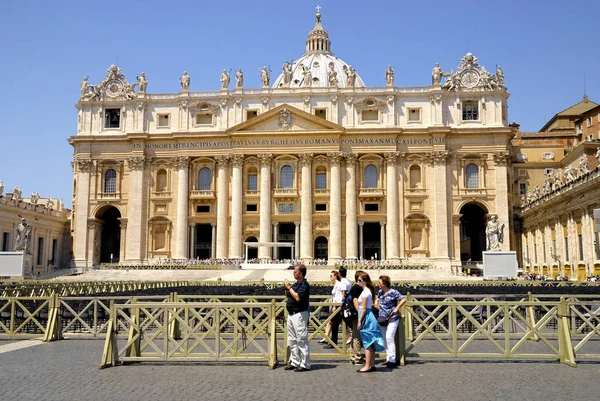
[349, 313]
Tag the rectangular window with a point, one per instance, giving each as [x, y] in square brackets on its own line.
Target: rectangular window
[163, 120]
[371, 207]
[580, 240]
[5, 239]
[370, 115]
[522, 188]
[54, 249]
[470, 111]
[40, 250]
[548, 171]
[321, 113]
[548, 155]
[589, 121]
[202, 209]
[522, 172]
[252, 207]
[579, 128]
[321, 181]
[414, 115]
[252, 182]
[321, 207]
[112, 118]
[204, 119]
[250, 114]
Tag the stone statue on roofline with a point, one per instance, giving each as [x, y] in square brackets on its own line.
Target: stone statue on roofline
[332, 75]
[569, 174]
[225, 79]
[500, 76]
[17, 193]
[350, 77]
[265, 76]
[584, 166]
[307, 74]
[35, 197]
[142, 82]
[557, 182]
[546, 188]
[436, 75]
[287, 74]
[185, 82]
[389, 76]
[598, 157]
[239, 78]
[1, 188]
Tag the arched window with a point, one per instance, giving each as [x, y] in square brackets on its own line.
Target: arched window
[286, 177]
[161, 180]
[110, 181]
[252, 179]
[321, 182]
[415, 176]
[472, 173]
[204, 179]
[370, 176]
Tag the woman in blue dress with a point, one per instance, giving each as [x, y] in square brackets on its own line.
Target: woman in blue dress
[367, 324]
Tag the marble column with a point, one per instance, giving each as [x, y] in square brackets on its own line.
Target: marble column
[335, 208]
[382, 235]
[297, 240]
[401, 229]
[213, 244]
[265, 205]
[587, 223]
[351, 226]
[235, 239]
[306, 214]
[222, 206]
[501, 182]
[391, 239]
[192, 240]
[275, 233]
[360, 240]
[82, 209]
[135, 210]
[181, 226]
[440, 196]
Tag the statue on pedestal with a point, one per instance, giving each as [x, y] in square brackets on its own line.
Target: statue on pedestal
[351, 77]
[35, 197]
[225, 79]
[547, 187]
[265, 77]
[84, 87]
[332, 75]
[185, 82]
[500, 76]
[287, 73]
[308, 77]
[436, 75]
[49, 203]
[494, 235]
[1, 188]
[23, 237]
[17, 193]
[598, 157]
[569, 174]
[389, 76]
[142, 83]
[557, 182]
[584, 166]
[239, 78]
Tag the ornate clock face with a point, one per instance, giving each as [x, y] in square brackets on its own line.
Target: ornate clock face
[114, 88]
[469, 78]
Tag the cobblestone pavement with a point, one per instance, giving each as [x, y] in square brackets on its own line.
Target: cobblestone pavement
[68, 371]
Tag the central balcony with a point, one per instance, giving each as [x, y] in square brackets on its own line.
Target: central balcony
[285, 193]
[371, 193]
[202, 194]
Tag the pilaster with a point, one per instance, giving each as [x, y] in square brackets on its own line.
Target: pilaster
[335, 212]
[181, 164]
[265, 204]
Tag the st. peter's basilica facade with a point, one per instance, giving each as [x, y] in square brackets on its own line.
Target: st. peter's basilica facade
[316, 158]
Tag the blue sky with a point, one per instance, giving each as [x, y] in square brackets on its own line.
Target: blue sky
[544, 48]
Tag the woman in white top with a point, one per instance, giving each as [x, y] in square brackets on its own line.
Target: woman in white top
[367, 324]
[337, 295]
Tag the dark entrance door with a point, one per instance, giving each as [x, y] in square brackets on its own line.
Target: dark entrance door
[203, 248]
[472, 233]
[321, 248]
[110, 243]
[287, 233]
[252, 252]
[372, 241]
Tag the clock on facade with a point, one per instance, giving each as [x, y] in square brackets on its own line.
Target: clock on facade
[469, 78]
[114, 88]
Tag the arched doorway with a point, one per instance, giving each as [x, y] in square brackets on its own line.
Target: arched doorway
[110, 237]
[321, 248]
[372, 241]
[252, 252]
[287, 233]
[472, 232]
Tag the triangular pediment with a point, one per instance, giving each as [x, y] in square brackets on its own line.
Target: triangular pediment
[285, 118]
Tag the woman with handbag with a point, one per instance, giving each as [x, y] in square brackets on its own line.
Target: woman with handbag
[367, 324]
[389, 301]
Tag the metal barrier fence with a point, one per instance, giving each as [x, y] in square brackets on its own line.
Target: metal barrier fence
[462, 326]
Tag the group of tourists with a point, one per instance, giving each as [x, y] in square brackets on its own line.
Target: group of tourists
[374, 319]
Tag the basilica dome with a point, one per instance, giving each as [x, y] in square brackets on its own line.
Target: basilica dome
[317, 64]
